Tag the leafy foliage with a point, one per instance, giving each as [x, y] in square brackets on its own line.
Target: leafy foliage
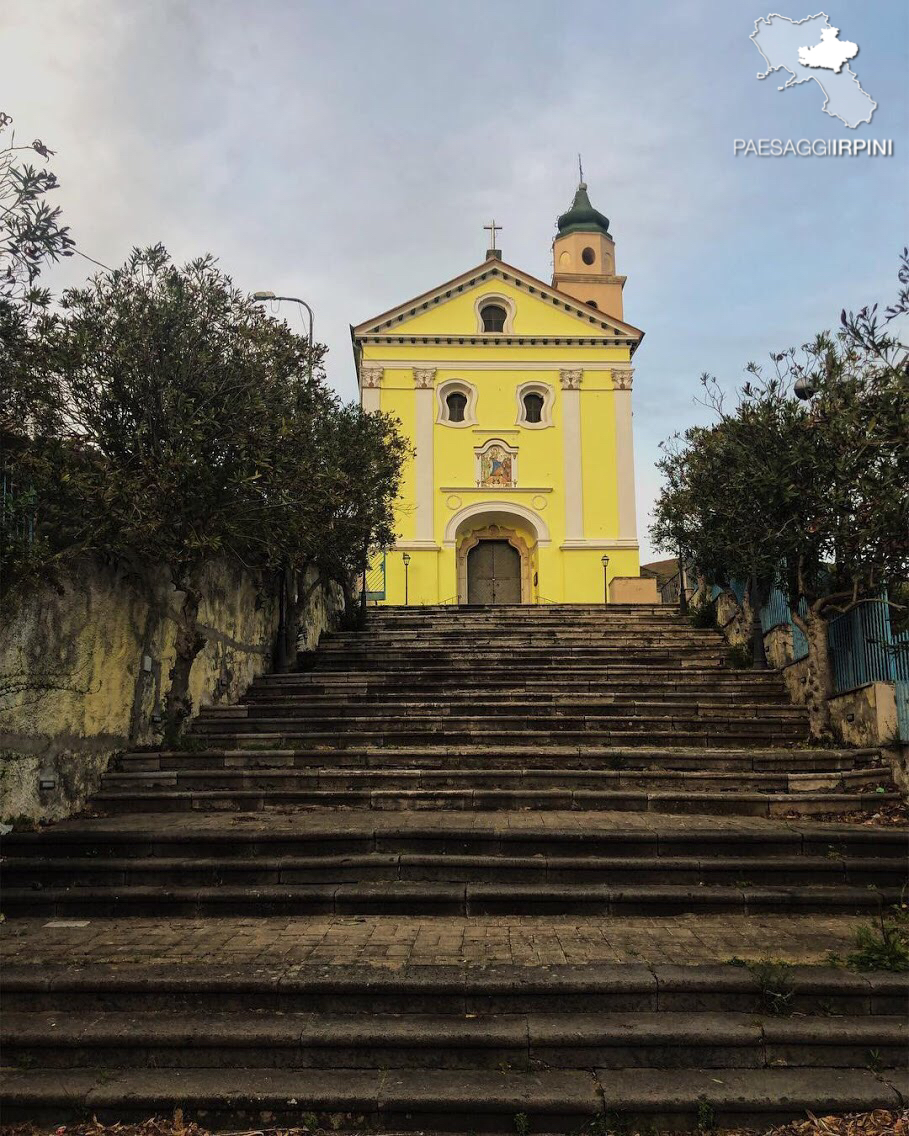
[30, 229]
[810, 496]
[883, 947]
[702, 613]
[178, 423]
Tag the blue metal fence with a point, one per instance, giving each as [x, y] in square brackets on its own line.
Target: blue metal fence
[863, 646]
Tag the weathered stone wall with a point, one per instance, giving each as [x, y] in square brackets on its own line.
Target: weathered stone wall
[865, 716]
[84, 671]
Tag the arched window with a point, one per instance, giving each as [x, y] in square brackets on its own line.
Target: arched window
[456, 404]
[533, 407]
[493, 317]
[592, 304]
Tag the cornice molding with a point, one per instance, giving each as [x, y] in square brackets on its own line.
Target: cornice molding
[457, 365]
[580, 545]
[500, 340]
[492, 272]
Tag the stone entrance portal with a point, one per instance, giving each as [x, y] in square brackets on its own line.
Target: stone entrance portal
[493, 573]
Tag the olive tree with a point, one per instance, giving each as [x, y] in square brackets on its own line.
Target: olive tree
[191, 426]
[808, 493]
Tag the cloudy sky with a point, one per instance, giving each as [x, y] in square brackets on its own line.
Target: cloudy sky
[350, 152]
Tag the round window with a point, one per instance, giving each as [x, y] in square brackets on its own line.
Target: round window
[588, 255]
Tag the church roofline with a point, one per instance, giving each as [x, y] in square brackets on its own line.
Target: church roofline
[502, 270]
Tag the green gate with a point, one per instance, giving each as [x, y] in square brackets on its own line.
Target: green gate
[375, 578]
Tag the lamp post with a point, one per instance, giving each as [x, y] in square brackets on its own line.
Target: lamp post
[683, 590]
[406, 559]
[282, 661]
[292, 300]
[605, 562]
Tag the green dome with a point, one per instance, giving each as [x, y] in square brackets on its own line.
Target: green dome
[582, 217]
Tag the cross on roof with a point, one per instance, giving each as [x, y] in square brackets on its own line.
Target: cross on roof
[493, 229]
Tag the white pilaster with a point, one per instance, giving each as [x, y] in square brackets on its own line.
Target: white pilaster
[624, 454]
[370, 381]
[423, 378]
[571, 427]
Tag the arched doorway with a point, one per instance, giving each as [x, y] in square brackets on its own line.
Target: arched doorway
[493, 572]
[506, 523]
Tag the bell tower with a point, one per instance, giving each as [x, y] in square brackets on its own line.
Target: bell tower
[583, 257]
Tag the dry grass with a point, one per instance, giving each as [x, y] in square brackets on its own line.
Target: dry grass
[881, 1122]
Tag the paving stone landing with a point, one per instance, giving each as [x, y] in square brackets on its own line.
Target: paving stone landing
[475, 865]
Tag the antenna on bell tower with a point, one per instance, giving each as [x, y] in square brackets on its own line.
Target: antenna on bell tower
[580, 171]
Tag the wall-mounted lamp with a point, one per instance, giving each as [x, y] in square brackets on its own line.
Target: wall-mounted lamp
[604, 560]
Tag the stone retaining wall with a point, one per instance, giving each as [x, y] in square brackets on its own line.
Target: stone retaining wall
[865, 716]
[84, 670]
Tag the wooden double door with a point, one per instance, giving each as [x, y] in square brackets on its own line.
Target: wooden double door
[493, 573]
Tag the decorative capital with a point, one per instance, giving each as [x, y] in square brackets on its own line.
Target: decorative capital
[621, 380]
[371, 375]
[570, 380]
[424, 377]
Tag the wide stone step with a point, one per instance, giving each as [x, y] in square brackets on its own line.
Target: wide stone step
[527, 707]
[342, 781]
[321, 687]
[199, 871]
[466, 989]
[727, 803]
[152, 799]
[481, 1101]
[549, 838]
[535, 657]
[505, 729]
[483, 672]
[437, 898]
[590, 759]
[237, 1040]
[333, 742]
[638, 643]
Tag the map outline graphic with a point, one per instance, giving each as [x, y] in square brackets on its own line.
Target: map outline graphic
[841, 100]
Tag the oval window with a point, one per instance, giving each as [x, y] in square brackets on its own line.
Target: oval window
[533, 407]
[456, 404]
[588, 255]
[493, 317]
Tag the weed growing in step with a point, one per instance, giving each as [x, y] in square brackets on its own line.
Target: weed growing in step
[703, 613]
[874, 1062]
[521, 1124]
[191, 743]
[706, 1115]
[774, 981]
[739, 658]
[884, 946]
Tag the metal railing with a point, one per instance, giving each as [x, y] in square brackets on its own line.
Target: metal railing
[863, 645]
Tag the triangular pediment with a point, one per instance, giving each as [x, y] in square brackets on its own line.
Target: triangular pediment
[540, 312]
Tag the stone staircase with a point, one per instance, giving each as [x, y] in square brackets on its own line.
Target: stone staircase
[474, 764]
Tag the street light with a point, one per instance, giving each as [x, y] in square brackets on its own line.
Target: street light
[292, 300]
[804, 388]
[282, 661]
[406, 559]
[605, 562]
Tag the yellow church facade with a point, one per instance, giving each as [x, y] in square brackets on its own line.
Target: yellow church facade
[516, 398]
